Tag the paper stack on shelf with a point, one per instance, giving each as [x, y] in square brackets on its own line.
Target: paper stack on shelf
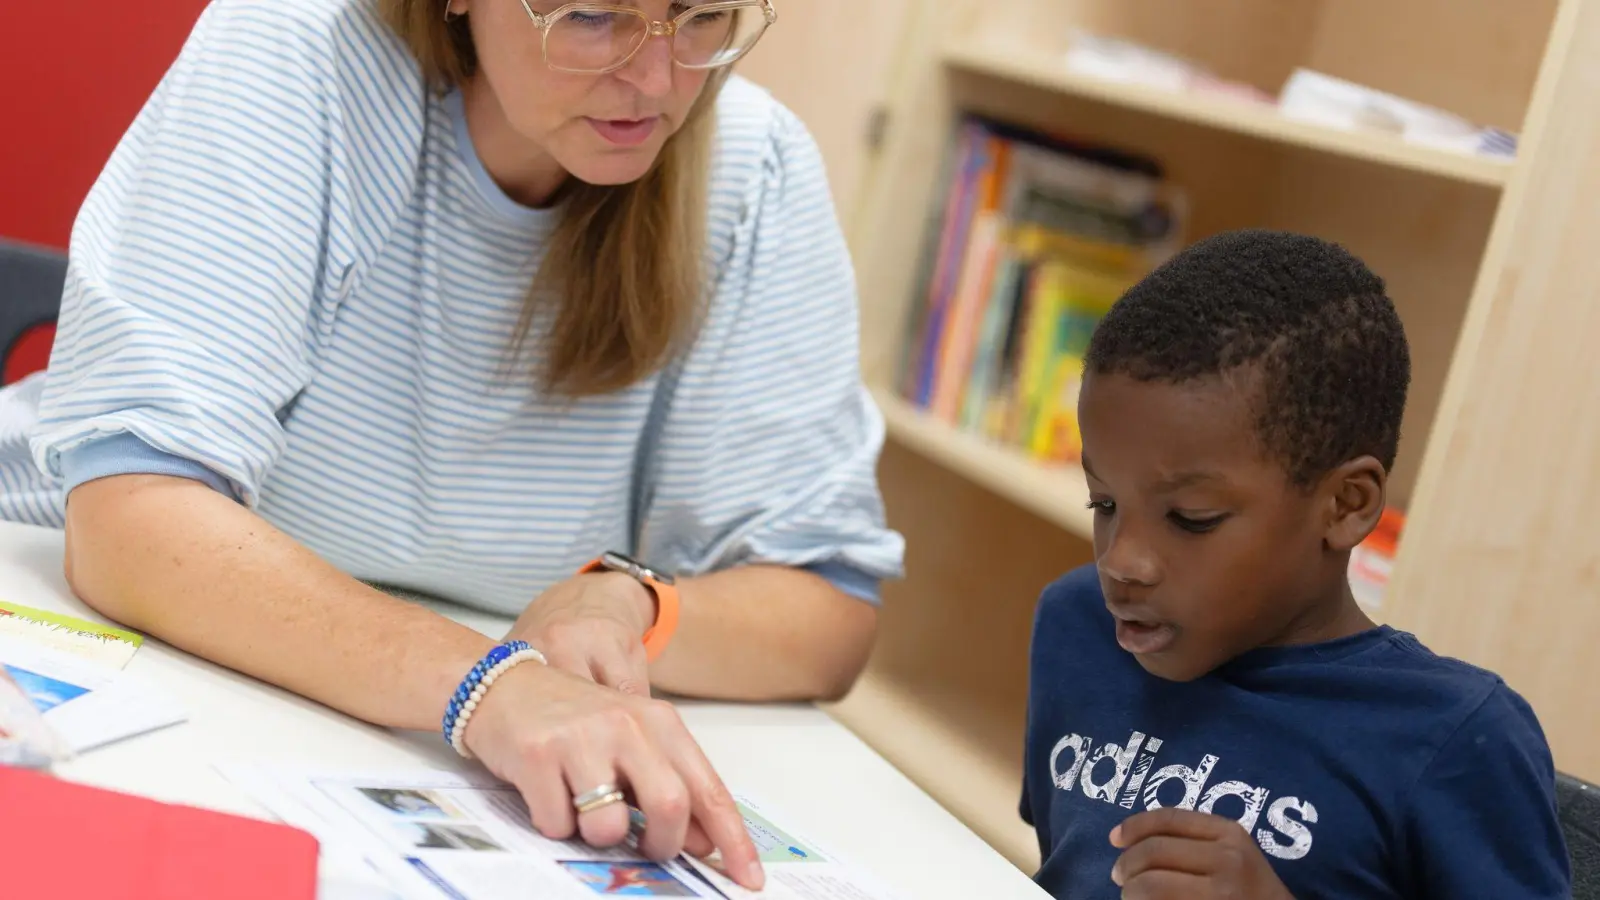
[1310, 96]
[1127, 62]
[1306, 96]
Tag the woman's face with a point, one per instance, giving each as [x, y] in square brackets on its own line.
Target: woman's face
[601, 128]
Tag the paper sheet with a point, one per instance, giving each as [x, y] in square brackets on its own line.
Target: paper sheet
[86, 704]
[25, 740]
[437, 835]
[86, 640]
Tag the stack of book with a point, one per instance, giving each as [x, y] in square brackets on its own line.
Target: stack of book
[1032, 241]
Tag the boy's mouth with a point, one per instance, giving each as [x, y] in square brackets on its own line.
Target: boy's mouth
[1143, 637]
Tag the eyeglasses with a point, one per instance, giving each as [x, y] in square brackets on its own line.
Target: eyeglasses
[602, 37]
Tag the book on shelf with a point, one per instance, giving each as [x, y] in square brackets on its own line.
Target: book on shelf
[1032, 239]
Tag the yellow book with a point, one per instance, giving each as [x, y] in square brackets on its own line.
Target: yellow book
[1080, 298]
[1039, 346]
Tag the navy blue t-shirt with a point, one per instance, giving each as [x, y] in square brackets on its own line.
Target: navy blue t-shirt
[1365, 767]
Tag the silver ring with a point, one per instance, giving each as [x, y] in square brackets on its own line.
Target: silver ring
[587, 797]
[598, 802]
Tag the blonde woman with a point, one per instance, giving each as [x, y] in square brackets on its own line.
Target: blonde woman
[521, 303]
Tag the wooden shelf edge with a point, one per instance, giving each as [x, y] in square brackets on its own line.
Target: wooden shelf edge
[1231, 115]
[1056, 493]
[959, 769]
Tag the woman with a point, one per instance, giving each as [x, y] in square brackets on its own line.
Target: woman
[457, 299]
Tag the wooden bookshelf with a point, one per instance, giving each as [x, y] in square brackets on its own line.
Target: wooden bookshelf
[960, 755]
[1238, 116]
[1485, 260]
[1055, 493]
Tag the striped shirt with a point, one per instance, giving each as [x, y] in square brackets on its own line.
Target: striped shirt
[295, 281]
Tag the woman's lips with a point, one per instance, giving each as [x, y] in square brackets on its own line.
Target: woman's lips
[625, 132]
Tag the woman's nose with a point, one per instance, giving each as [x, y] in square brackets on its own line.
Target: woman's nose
[650, 69]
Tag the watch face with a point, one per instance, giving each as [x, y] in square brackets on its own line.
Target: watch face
[623, 563]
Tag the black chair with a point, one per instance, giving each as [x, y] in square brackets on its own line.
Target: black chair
[31, 281]
[1579, 804]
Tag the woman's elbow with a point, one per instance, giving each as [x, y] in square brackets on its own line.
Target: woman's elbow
[852, 641]
[106, 546]
[83, 562]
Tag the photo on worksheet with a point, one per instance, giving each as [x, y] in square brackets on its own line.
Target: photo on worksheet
[412, 803]
[434, 836]
[44, 692]
[610, 878]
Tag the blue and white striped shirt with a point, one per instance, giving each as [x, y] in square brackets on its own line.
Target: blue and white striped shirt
[295, 281]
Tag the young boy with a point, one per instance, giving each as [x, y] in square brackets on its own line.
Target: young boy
[1211, 714]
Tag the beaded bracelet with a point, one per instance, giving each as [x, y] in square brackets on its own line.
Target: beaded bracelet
[470, 693]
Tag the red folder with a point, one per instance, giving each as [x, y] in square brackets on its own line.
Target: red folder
[63, 841]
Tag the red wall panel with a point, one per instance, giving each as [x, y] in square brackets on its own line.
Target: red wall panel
[74, 74]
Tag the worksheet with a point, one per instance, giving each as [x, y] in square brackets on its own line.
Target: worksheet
[85, 703]
[436, 835]
[87, 640]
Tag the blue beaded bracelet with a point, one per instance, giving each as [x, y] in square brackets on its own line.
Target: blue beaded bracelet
[472, 688]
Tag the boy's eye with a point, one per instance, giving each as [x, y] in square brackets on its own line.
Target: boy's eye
[1195, 524]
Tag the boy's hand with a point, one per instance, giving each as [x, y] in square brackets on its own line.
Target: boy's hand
[1168, 854]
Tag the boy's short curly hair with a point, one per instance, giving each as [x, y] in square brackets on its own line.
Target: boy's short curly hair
[1325, 342]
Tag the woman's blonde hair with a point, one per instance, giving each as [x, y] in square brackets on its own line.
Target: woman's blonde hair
[623, 265]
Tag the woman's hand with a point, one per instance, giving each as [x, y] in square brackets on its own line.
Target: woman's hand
[593, 626]
[554, 736]
[1180, 854]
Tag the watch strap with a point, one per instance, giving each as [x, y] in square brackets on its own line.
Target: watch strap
[660, 633]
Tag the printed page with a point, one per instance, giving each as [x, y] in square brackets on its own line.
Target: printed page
[445, 836]
[797, 868]
[87, 704]
[87, 640]
[26, 741]
[440, 835]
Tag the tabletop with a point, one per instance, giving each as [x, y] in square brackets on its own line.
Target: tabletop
[795, 757]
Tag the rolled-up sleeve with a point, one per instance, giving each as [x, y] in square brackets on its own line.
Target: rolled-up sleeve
[190, 317]
[768, 450]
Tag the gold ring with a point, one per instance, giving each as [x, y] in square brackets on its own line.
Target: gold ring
[598, 802]
[594, 793]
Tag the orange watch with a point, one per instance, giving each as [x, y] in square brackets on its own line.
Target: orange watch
[657, 636]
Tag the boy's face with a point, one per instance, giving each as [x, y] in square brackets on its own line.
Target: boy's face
[1204, 546]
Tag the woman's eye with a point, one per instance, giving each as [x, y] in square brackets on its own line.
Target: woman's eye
[1195, 524]
[591, 19]
[1102, 507]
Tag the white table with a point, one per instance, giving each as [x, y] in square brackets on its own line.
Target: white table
[832, 785]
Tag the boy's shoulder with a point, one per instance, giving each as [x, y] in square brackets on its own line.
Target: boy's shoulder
[1071, 617]
[1075, 596]
[1071, 625]
[1385, 682]
[1367, 766]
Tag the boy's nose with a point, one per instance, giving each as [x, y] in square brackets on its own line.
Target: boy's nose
[1127, 561]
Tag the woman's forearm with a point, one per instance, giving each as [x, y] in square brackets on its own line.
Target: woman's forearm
[176, 560]
[765, 633]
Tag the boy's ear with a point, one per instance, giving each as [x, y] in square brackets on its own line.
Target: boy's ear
[1354, 494]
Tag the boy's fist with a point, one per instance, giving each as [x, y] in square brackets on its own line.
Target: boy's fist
[1179, 854]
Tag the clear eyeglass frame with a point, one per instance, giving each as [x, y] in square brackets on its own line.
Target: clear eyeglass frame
[652, 28]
